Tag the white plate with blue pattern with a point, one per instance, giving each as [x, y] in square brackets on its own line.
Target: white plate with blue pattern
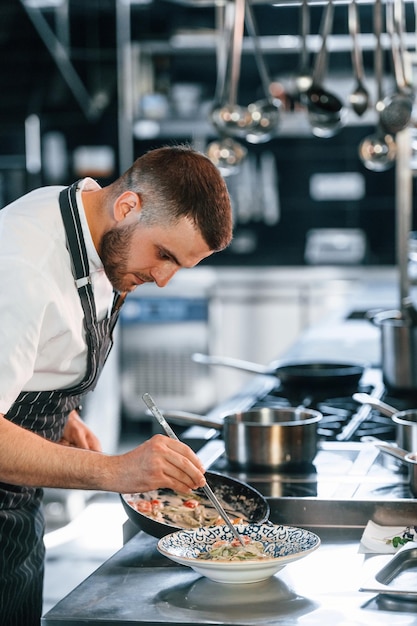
[282, 545]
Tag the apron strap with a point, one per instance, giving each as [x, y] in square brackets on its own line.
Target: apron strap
[76, 245]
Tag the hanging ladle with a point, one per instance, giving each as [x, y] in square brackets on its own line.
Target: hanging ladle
[378, 151]
[228, 117]
[359, 98]
[265, 113]
[226, 153]
[304, 79]
[396, 109]
[325, 110]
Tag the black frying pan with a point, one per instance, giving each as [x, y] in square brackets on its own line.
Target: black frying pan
[234, 493]
[296, 373]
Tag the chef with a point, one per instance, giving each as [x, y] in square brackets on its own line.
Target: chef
[68, 258]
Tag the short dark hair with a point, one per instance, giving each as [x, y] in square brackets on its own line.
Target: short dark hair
[177, 181]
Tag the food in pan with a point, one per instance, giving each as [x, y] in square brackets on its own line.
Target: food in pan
[171, 507]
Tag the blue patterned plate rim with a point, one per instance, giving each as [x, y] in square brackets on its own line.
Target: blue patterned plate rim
[205, 536]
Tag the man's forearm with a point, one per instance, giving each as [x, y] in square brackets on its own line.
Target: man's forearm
[28, 459]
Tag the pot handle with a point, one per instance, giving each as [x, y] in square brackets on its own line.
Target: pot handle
[398, 453]
[382, 407]
[376, 316]
[184, 418]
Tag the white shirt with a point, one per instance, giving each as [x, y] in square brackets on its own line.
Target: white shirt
[42, 345]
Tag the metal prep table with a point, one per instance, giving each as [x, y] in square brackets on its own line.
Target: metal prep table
[138, 586]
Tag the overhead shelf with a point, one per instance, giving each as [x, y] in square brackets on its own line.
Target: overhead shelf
[203, 43]
[277, 3]
[293, 124]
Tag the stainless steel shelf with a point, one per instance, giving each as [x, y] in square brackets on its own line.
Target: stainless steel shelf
[292, 125]
[205, 43]
[277, 3]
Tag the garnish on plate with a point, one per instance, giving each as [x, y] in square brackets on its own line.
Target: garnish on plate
[409, 534]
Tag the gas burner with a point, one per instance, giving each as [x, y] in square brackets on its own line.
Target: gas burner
[337, 407]
[348, 464]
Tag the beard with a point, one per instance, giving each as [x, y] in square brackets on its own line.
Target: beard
[114, 253]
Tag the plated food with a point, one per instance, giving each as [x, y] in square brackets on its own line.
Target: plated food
[163, 511]
[276, 547]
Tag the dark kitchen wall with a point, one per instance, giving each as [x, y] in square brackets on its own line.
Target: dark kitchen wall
[33, 84]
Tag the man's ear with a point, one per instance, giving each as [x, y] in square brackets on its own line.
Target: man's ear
[128, 202]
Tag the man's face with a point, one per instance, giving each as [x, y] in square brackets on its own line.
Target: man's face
[133, 254]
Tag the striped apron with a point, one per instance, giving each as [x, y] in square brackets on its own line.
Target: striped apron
[45, 413]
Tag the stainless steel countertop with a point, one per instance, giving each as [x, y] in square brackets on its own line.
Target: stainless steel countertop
[140, 586]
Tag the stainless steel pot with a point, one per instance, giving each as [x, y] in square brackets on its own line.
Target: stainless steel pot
[406, 421]
[263, 438]
[398, 349]
[408, 458]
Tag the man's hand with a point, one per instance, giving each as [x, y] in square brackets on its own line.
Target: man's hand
[78, 435]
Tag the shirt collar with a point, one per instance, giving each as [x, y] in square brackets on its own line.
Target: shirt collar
[88, 184]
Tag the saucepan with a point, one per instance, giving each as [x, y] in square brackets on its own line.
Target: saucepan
[398, 346]
[406, 421]
[235, 494]
[294, 372]
[408, 458]
[263, 438]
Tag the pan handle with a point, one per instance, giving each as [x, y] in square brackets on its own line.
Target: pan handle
[239, 364]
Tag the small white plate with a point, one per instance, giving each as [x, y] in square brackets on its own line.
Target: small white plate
[283, 544]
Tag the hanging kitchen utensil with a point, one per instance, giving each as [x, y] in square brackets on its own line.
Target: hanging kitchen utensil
[265, 113]
[229, 117]
[325, 110]
[226, 153]
[396, 109]
[378, 151]
[304, 79]
[269, 188]
[359, 98]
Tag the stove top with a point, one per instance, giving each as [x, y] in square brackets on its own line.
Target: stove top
[340, 471]
[348, 465]
[344, 419]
